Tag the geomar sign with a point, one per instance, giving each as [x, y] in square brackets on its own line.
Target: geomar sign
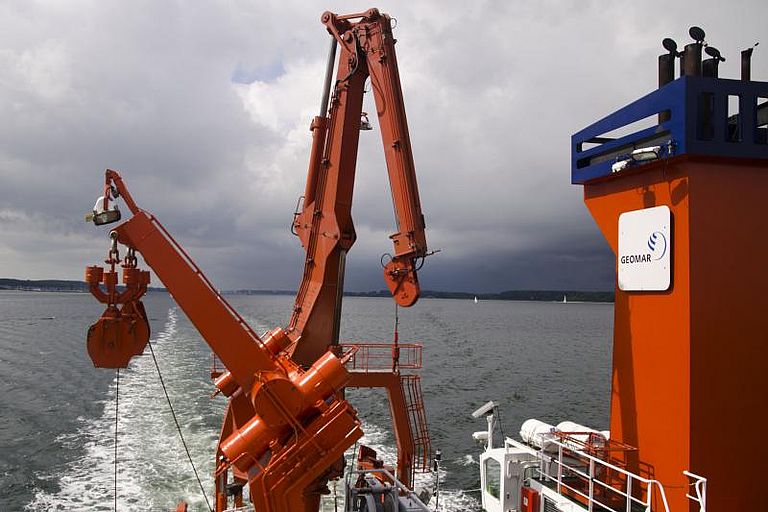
[645, 245]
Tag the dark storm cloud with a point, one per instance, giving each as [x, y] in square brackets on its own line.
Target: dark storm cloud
[205, 108]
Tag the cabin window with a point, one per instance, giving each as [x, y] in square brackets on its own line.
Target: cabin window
[493, 478]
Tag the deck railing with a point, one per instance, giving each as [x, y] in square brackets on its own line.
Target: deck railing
[578, 474]
[382, 356]
[699, 484]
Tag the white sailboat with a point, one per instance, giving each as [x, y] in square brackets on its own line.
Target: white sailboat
[475, 299]
[565, 300]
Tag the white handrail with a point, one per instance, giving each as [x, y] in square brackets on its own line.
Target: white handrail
[700, 486]
[628, 474]
[548, 473]
[663, 494]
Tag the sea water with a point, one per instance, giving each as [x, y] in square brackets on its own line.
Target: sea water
[545, 360]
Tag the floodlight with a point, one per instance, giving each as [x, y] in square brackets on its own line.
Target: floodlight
[644, 154]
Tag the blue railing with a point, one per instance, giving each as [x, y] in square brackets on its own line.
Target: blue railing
[697, 122]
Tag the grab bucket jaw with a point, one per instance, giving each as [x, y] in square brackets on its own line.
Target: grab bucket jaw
[118, 335]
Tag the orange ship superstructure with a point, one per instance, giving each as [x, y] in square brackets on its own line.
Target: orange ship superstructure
[687, 375]
[680, 201]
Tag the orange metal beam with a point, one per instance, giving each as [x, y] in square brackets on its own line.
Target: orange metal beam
[284, 420]
[399, 414]
[325, 224]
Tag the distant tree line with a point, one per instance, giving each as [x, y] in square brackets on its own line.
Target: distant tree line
[532, 295]
[46, 285]
[58, 285]
[51, 285]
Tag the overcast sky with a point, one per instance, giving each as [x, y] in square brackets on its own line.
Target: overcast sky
[205, 107]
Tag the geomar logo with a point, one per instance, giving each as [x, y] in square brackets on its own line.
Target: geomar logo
[657, 243]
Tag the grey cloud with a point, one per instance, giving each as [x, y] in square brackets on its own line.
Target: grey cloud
[205, 109]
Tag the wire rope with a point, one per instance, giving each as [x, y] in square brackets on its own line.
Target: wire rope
[117, 402]
[178, 427]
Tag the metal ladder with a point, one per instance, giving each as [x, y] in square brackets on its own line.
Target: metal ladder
[411, 385]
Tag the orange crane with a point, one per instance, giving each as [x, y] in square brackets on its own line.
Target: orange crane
[287, 423]
[324, 224]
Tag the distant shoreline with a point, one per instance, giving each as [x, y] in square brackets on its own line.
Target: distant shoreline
[59, 285]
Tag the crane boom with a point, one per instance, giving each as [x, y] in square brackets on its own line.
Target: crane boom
[324, 225]
[293, 414]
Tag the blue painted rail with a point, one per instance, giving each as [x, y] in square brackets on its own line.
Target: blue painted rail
[697, 122]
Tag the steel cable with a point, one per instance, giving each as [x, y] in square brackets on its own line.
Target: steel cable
[178, 427]
[117, 401]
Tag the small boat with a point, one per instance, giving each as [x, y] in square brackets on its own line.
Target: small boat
[475, 299]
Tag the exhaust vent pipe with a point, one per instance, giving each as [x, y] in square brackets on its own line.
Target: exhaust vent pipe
[746, 63]
[690, 62]
[667, 62]
[667, 70]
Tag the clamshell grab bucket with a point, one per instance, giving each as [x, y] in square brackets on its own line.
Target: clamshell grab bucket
[118, 335]
[123, 329]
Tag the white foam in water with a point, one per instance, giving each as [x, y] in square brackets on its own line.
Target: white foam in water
[154, 473]
[467, 460]
[449, 500]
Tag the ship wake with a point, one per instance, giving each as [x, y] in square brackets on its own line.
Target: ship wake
[153, 472]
